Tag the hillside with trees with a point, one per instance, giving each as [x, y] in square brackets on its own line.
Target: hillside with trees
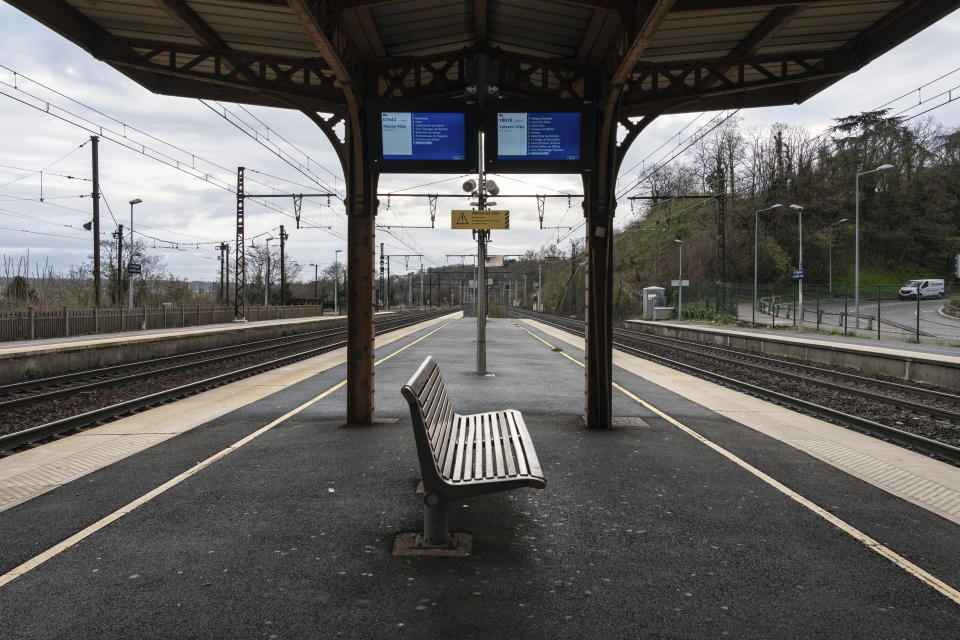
[910, 214]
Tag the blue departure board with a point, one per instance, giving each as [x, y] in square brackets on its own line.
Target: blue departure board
[423, 136]
[538, 136]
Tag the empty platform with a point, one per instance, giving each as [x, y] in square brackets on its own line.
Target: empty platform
[275, 519]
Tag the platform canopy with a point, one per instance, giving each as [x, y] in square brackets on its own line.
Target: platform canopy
[668, 55]
[631, 61]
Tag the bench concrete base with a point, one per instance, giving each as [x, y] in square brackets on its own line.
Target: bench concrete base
[410, 543]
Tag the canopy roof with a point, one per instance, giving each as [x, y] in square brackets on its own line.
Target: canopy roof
[665, 55]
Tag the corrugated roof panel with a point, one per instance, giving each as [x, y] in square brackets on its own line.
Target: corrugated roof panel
[134, 19]
[537, 27]
[261, 28]
[414, 27]
[702, 34]
[828, 27]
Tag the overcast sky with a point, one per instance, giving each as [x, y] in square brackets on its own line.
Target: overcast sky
[183, 211]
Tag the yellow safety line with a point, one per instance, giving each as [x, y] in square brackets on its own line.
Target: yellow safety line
[62, 546]
[847, 528]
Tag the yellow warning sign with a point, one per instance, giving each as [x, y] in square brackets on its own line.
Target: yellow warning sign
[473, 219]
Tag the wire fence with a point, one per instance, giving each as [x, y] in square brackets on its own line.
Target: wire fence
[34, 324]
[882, 312]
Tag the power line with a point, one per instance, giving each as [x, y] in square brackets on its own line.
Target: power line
[123, 139]
[642, 178]
[268, 144]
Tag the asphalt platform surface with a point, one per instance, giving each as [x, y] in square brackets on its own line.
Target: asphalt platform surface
[640, 532]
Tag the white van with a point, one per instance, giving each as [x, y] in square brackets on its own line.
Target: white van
[929, 288]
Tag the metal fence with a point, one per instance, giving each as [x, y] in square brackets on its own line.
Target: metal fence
[35, 324]
[823, 309]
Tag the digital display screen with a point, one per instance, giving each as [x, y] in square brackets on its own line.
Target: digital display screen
[423, 136]
[538, 136]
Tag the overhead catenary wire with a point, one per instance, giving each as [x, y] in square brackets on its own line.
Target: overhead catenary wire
[247, 130]
[122, 138]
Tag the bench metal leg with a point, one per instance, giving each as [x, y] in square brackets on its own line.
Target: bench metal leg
[436, 531]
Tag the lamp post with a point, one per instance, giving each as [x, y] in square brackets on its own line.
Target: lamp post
[756, 224]
[130, 297]
[856, 263]
[336, 281]
[266, 288]
[680, 281]
[316, 282]
[830, 233]
[799, 210]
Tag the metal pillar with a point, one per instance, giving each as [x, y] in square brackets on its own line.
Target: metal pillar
[361, 210]
[283, 273]
[599, 205]
[95, 195]
[118, 234]
[240, 262]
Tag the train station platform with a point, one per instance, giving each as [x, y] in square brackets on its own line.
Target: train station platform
[937, 365]
[709, 514]
[52, 356]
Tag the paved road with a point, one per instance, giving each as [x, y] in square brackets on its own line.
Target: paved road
[893, 313]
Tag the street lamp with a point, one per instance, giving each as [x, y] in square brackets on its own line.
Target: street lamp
[130, 298]
[756, 223]
[680, 294]
[336, 281]
[799, 210]
[266, 288]
[830, 233]
[856, 263]
[316, 290]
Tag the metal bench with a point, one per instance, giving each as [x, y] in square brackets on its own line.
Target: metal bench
[463, 455]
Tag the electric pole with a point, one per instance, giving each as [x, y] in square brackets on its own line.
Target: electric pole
[283, 288]
[95, 195]
[118, 234]
[380, 306]
[226, 270]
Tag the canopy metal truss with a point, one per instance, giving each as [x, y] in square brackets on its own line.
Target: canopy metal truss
[634, 60]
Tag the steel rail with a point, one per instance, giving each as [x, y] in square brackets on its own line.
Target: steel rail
[932, 447]
[278, 343]
[18, 387]
[905, 388]
[104, 414]
[780, 364]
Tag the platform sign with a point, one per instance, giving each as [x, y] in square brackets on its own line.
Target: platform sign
[678, 283]
[133, 267]
[423, 136]
[474, 219]
[493, 261]
[797, 274]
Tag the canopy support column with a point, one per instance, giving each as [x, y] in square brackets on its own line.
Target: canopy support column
[599, 205]
[361, 242]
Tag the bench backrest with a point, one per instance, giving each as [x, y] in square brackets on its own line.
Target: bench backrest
[431, 413]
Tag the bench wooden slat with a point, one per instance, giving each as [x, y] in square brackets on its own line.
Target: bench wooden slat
[488, 420]
[470, 445]
[445, 441]
[498, 444]
[429, 404]
[459, 454]
[518, 447]
[530, 455]
[508, 449]
[423, 373]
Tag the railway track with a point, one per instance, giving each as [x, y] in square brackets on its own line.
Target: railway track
[920, 418]
[33, 411]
